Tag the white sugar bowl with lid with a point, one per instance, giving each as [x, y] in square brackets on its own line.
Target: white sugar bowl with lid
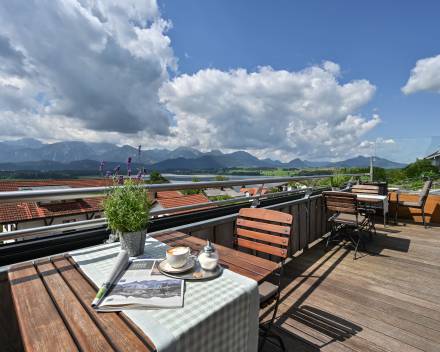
[208, 257]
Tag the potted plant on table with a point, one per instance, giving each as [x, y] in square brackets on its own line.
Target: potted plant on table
[127, 209]
[337, 181]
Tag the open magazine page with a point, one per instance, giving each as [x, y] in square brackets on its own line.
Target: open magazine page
[143, 286]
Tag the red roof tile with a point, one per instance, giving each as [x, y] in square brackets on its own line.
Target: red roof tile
[183, 200]
[168, 194]
[24, 211]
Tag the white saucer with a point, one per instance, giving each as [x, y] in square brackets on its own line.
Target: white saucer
[166, 267]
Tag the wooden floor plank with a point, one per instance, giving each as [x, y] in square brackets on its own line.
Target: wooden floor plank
[41, 327]
[393, 297]
[393, 330]
[381, 285]
[410, 282]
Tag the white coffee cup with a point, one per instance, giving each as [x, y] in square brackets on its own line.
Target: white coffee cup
[178, 256]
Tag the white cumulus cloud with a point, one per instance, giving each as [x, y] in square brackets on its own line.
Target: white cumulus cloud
[102, 70]
[96, 63]
[272, 113]
[425, 76]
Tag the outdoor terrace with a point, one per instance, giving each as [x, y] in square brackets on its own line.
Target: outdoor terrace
[387, 300]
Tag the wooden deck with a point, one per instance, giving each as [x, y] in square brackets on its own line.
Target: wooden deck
[388, 300]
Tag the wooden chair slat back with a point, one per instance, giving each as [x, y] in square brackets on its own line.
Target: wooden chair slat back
[258, 225]
[266, 214]
[284, 241]
[261, 247]
[425, 192]
[365, 189]
[341, 202]
[265, 231]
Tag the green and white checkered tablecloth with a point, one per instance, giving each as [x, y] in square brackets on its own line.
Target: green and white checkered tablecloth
[218, 315]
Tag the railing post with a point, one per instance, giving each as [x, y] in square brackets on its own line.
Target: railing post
[307, 195]
[256, 201]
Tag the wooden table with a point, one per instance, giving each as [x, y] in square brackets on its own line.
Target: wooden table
[52, 301]
[376, 198]
[245, 264]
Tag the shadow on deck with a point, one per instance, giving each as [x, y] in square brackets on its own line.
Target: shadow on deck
[387, 300]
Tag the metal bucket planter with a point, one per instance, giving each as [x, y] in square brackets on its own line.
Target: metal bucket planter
[133, 242]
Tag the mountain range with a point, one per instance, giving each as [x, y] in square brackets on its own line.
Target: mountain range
[32, 154]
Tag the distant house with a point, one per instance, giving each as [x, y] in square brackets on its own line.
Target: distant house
[250, 192]
[435, 158]
[218, 192]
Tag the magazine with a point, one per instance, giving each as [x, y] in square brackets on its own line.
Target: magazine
[138, 284]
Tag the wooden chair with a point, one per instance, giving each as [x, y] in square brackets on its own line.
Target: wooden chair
[383, 186]
[365, 189]
[345, 214]
[420, 204]
[370, 189]
[266, 232]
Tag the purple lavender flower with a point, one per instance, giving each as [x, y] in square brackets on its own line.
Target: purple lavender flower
[129, 166]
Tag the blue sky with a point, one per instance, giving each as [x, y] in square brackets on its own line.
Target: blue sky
[375, 40]
[280, 79]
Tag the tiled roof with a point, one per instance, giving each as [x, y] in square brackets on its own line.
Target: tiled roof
[24, 211]
[168, 194]
[181, 200]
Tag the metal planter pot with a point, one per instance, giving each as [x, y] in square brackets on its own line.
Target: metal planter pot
[133, 242]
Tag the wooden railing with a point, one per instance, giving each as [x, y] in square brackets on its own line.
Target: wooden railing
[309, 224]
[310, 220]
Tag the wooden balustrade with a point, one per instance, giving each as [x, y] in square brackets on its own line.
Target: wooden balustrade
[309, 224]
[432, 208]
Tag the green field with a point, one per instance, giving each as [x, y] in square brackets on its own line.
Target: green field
[410, 177]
